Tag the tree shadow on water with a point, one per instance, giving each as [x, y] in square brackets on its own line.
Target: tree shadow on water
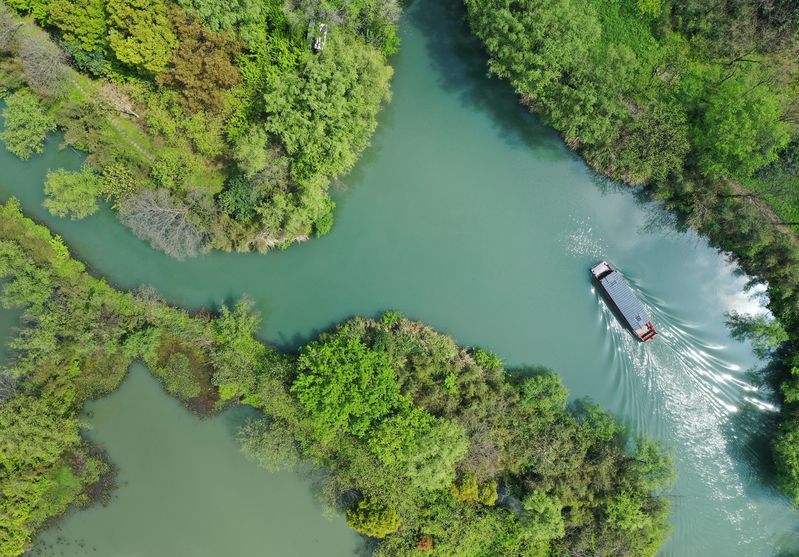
[460, 62]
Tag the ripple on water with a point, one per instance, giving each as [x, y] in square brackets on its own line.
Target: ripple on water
[695, 391]
[582, 241]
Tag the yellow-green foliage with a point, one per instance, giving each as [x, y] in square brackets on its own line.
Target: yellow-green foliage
[466, 488]
[372, 518]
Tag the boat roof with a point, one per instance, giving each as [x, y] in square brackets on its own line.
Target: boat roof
[628, 303]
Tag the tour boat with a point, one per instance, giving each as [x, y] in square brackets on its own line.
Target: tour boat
[624, 301]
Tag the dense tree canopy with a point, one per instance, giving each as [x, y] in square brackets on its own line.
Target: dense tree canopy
[345, 385]
[141, 34]
[325, 112]
[226, 106]
[203, 66]
[81, 20]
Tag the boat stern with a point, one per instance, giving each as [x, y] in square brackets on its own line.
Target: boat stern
[647, 332]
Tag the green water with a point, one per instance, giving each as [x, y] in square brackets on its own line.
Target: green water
[184, 489]
[469, 215]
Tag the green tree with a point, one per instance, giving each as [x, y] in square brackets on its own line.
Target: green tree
[80, 20]
[741, 129]
[268, 444]
[325, 112]
[203, 67]
[249, 17]
[345, 385]
[240, 199]
[140, 33]
[542, 517]
[765, 333]
[654, 468]
[26, 124]
[431, 463]
[372, 518]
[72, 194]
[654, 145]
[536, 45]
[237, 356]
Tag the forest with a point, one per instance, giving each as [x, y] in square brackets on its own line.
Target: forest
[696, 101]
[426, 447]
[207, 124]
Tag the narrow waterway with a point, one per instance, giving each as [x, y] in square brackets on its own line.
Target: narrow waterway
[467, 214]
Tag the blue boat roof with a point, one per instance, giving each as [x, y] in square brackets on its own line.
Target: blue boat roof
[628, 303]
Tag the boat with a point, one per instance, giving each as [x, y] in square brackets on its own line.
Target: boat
[624, 301]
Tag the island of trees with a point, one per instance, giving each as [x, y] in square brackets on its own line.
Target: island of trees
[697, 100]
[207, 123]
[425, 446]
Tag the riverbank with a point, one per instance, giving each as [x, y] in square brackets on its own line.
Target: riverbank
[404, 420]
[209, 137]
[689, 102]
[458, 240]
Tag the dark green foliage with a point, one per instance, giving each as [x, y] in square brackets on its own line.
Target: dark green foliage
[240, 199]
[192, 92]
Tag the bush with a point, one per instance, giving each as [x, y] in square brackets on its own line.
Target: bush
[372, 518]
[72, 194]
[178, 377]
[26, 124]
[240, 199]
[271, 446]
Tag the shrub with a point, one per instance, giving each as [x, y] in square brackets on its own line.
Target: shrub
[372, 518]
[26, 124]
[272, 447]
[72, 194]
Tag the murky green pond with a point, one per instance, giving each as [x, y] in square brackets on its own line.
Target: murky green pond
[471, 216]
[184, 489]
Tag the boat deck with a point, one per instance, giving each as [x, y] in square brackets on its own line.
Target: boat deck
[624, 300]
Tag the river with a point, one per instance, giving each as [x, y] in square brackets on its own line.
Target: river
[468, 214]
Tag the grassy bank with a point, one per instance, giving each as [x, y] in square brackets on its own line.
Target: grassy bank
[425, 446]
[208, 125]
[699, 102]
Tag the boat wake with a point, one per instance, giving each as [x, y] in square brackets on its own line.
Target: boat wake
[695, 393]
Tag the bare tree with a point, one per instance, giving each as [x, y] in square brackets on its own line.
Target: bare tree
[8, 385]
[164, 221]
[44, 65]
[116, 99]
[9, 25]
